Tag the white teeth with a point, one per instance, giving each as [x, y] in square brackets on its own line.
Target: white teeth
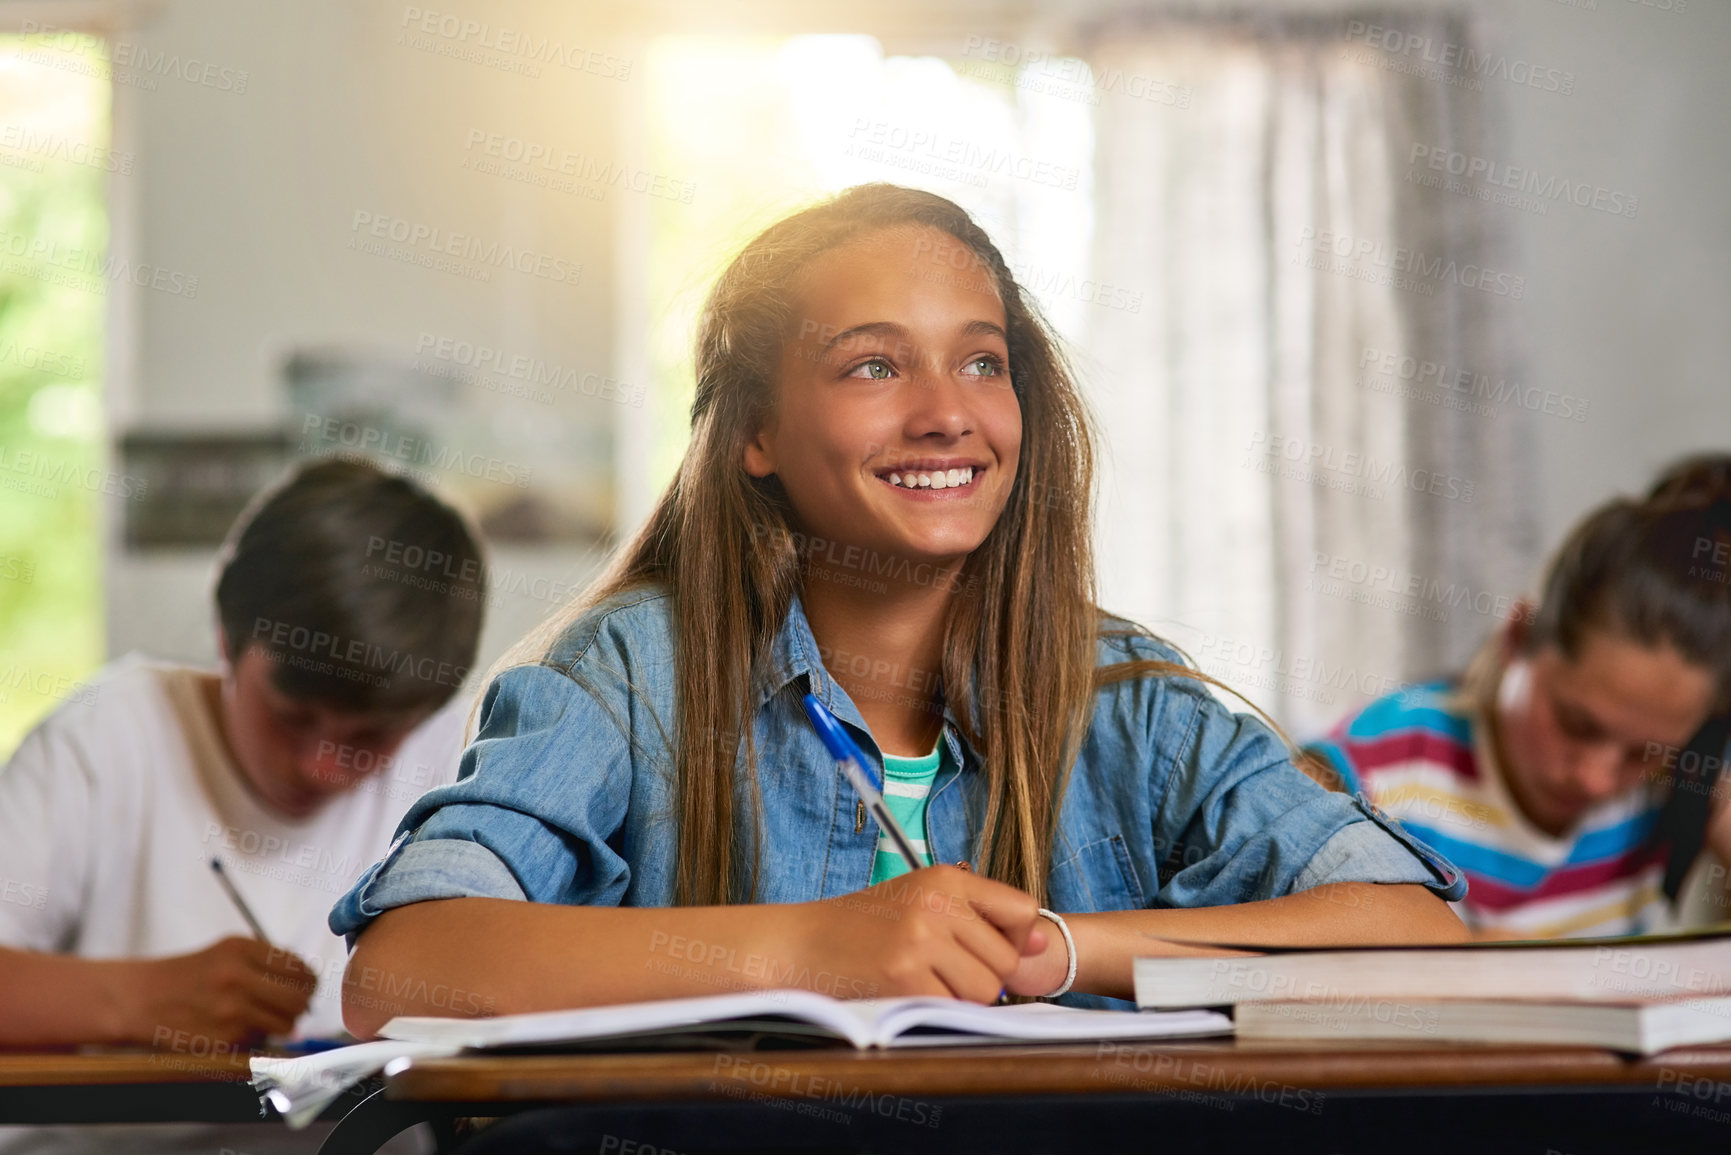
[936, 479]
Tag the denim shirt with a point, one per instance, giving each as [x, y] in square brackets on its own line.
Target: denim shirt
[566, 795]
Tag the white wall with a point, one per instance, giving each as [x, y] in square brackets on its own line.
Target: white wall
[1634, 315]
[256, 192]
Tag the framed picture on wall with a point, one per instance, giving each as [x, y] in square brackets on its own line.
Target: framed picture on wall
[529, 472]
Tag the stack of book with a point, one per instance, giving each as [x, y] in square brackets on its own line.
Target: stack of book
[1642, 995]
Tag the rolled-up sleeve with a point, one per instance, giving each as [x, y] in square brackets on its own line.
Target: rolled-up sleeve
[1381, 850]
[1238, 822]
[541, 796]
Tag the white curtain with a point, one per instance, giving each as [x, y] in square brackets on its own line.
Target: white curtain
[1271, 501]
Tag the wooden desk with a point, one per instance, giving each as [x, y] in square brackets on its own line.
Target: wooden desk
[1186, 1096]
[59, 1088]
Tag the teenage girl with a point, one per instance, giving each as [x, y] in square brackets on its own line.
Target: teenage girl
[1545, 771]
[885, 502]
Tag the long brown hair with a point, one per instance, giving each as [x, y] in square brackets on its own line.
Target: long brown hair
[1019, 664]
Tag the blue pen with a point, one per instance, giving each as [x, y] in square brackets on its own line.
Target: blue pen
[859, 772]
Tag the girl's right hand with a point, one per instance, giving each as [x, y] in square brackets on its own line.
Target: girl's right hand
[937, 931]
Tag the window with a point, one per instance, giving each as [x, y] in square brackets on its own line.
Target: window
[54, 162]
[761, 127]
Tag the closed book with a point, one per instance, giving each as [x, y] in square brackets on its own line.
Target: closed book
[1641, 1027]
[1609, 970]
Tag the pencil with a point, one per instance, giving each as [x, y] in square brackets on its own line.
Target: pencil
[239, 902]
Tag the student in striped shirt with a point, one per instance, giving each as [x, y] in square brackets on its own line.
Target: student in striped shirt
[1542, 771]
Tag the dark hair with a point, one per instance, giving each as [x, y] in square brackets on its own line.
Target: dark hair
[1656, 571]
[1700, 480]
[365, 589]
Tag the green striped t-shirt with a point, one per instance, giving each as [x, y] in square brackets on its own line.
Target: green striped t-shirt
[907, 786]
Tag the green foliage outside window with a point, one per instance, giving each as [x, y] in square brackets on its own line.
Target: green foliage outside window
[54, 166]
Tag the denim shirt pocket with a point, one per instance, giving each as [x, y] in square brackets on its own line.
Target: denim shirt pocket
[1099, 876]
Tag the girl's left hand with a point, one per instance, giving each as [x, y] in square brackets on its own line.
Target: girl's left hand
[1041, 974]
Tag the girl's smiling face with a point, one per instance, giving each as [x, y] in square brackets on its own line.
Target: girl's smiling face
[894, 427]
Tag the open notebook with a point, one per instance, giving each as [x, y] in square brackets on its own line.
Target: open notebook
[299, 1088]
[903, 1022]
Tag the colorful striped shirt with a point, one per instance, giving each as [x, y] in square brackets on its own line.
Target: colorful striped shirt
[1427, 760]
[907, 786]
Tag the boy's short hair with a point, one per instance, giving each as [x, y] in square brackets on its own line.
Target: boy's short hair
[365, 589]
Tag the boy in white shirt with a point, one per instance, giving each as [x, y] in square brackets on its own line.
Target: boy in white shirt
[350, 605]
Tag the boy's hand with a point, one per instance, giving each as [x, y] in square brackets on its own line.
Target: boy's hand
[237, 990]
